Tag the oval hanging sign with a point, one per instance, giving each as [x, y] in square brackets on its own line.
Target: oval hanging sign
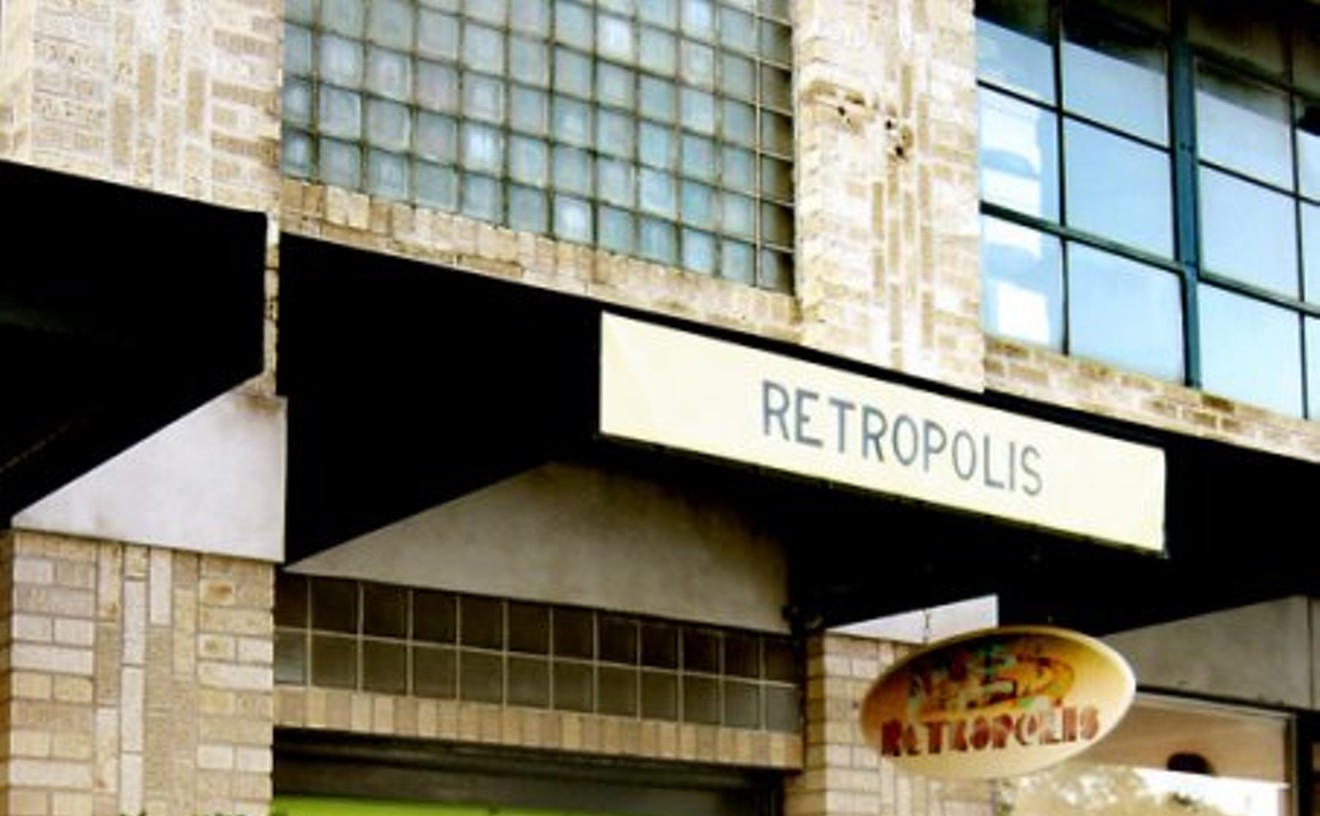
[997, 703]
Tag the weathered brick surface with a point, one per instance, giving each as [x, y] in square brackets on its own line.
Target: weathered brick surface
[114, 704]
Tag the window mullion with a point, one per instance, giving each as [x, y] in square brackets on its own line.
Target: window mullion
[1182, 118]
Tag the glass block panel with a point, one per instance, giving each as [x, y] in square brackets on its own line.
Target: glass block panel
[1243, 126]
[1019, 156]
[572, 121]
[657, 51]
[655, 145]
[389, 74]
[700, 252]
[530, 16]
[529, 682]
[1118, 79]
[697, 110]
[697, 61]
[345, 17]
[437, 34]
[341, 61]
[334, 605]
[483, 148]
[616, 85]
[529, 212]
[614, 38]
[699, 157]
[777, 224]
[782, 711]
[481, 620]
[573, 72]
[297, 51]
[437, 138]
[738, 262]
[1119, 189]
[1017, 55]
[572, 170]
[482, 197]
[657, 241]
[495, 12]
[738, 169]
[737, 30]
[701, 651]
[529, 61]
[776, 88]
[384, 667]
[483, 49]
[1022, 284]
[390, 23]
[701, 700]
[1249, 233]
[1250, 351]
[437, 87]
[659, 696]
[435, 616]
[698, 18]
[384, 610]
[529, 161]
[739, 122]
[574, 25]
[529, 110]
[775, 270]
[776, 179]
[615, 182]
[656, 192]
[776, 42]
[742, 704]
[697, 204]
[737, 77]
[615, 133]
[529, 626]
[658, 100]
[616, 230]
[483, 98]
[291, 596]
[617, 691]
[388, 125]
[290, 657]
[574, 633]
[334, 661]
[776, 133]
[573, 686]
[436, 186]
[660, 12]
[435, 673]
[297, 102]
[480, 677]
[1125, 314]
[572, 219]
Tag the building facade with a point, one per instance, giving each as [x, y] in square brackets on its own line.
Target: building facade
[452, 405]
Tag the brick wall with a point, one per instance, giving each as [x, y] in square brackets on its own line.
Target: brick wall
[135, 680]
[842, 775]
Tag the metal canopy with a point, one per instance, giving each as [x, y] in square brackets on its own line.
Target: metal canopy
[120, 310]
[410, 384]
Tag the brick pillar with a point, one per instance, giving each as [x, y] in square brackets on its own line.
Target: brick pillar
[135, 680]
[888, 263]
[842, 775]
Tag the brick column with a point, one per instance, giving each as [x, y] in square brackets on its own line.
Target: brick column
[888, 263]
[135, 680]
[842, 775]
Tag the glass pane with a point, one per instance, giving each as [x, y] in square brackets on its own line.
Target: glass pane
[618, 691]
[657, 51]
[572, 631]
[531, 16]
[572, 73]
[527, 211]
[436, 186]
[573, 25]
[697, 61]
[1125, 314]
[616, 230]
[572, 121]
[482, 198]
[1250, 351]
[302, 11]
[341, 164]
[529, 682]
[297, 102]
[389, 74]
[1243, 126]
[698, 205]
[658, 100]
[656, 192]
[1308, 148]
[659, 696]
[698, 157]
[776, 133]
[1118, 189]
[776, 42]
[437, 34]
[435, 616]
[296, 153]
[529, 110]
[700, 252]
[387, 175]
[737, 30]
[480, 677]
[698, 18]
[615, 182]
[614, 38]
[615, 85]
[529, 61]
[738, 169]
[738, 215]
[483, 148]
[739, 123]
[384, 667]
[1244, 30]
[345, 17]
[655, 145]
[1248, 233]
[437, 138]
[1022, 284]
[490, 11]
[1312, 367]
[334, 661]
[697, 110]
[1118, 80]
[437, 87]
[742, 705]
[340, 113]
[615, 133]
[388, 125]
[776, 179]
[435, 673]
[572, 219]
[660, 12]
[701, 700]
[483, 49]
[572, 684]
[481, 622]
[1311, 251]
[297, 51]
[738, 262]
[737, 76]
[341, 61]
[776, 88]
[391, 23]
[529, 160]
[572, 170]
[1019, 156]
[776, 271]
[1019, 59]
[777, 224]
[658, 241]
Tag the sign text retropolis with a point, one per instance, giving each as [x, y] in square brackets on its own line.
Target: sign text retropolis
[997, 703]
[691, 392]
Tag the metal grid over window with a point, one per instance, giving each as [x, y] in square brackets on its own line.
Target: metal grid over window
[1150, 186]
[340, 633]
[660, 129]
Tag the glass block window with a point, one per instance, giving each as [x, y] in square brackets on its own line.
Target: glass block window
[660, 129]
[388, 639]
[1150, 188]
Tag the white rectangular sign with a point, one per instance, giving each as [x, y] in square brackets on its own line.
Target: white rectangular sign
[695, 393]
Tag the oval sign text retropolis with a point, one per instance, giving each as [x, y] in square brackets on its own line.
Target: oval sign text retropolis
[997, 703]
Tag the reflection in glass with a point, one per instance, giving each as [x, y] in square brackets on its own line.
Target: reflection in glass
[1123, 313]
[1244, 30]
[1015, 60]
[1022, 291]
[1119, 189]
[1019, 156]
[1250, 351]
[1117, 80]
[1243, 126]
[1248, 233]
